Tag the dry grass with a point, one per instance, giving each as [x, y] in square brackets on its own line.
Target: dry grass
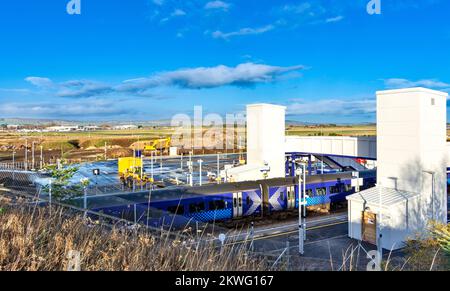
[34, 238]
[351, 130]
[429, 252]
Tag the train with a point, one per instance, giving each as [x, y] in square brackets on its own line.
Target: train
[212, 203]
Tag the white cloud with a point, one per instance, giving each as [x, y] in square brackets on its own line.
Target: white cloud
[95, 107]
[15, 90]
[333, 106]
[71, 89]
[243, 75]
[178, 12]
[158, 2]
[246, 74]
[217, 5]
[82, 88]
[242, 32]
[334, 19]
[298, 9]
[397, 83]
[40, 82]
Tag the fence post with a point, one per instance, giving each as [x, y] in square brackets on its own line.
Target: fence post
[252, 236]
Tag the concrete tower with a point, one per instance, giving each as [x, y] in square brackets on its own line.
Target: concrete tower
[266, 137]
[265, 144]
[412, 169]
[411, 145]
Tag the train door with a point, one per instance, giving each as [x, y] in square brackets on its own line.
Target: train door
[290, 197]
[237, 204]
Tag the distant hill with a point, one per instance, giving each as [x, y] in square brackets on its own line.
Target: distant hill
[37, 122]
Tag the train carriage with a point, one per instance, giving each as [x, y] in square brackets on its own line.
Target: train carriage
[235, 200]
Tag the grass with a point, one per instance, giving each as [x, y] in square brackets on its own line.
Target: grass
[354, 130]
[40, 239]
[35, 238]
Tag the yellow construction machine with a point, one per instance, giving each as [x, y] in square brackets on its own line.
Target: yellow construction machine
[131, 172]
[158, 144]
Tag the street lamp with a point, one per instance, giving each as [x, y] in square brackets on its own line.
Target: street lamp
[218, 167]
[301, 208]
[32, 156]
[151, 165]
[200, 171]
[42, 159]
[26, 155]
[14, 163]
[142, 171]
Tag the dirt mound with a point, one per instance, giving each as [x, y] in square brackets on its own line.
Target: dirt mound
[100, 143]
[120, 153]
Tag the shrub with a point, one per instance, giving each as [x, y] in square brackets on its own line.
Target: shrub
[40, 239]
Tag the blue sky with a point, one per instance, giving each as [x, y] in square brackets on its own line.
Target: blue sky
[151, 59]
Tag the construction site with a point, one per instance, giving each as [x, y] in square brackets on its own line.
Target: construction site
[282, 195]
[224, 135]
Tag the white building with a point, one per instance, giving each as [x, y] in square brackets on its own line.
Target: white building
[63, 128]
[265, 144]
[125, 127]
[89, 128]
[412, 183]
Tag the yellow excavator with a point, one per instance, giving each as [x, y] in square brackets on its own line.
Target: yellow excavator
[130, 172]
[162, 144]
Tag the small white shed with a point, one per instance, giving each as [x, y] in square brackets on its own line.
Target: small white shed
[397, 219]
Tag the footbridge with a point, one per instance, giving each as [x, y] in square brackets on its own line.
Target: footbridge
[340, 150]
[341, 146]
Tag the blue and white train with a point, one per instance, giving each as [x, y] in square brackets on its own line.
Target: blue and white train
[235, 200]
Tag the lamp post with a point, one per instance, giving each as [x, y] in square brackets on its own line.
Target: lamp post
[14, 164]
[301, 209]
[200, 171]
[218, 167]
[85, 183]
[304, 202]
[42, 159]
[32, 156]
[26, 155]
[181, 162]
[151, 165]
[142, 171]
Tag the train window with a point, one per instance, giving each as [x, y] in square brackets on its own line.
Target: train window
[178, 209]
[248, 200]
[334, 189]
[309, 192]
[321, 191]
[282, 197]
[217, 205]
[196, 207]
[348, 187]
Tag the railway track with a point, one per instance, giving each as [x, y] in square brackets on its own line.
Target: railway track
[283, 230]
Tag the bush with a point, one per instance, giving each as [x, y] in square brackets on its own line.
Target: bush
[40, 239]
[430, 252]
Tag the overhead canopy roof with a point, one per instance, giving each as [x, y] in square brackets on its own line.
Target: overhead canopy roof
[389, 196]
